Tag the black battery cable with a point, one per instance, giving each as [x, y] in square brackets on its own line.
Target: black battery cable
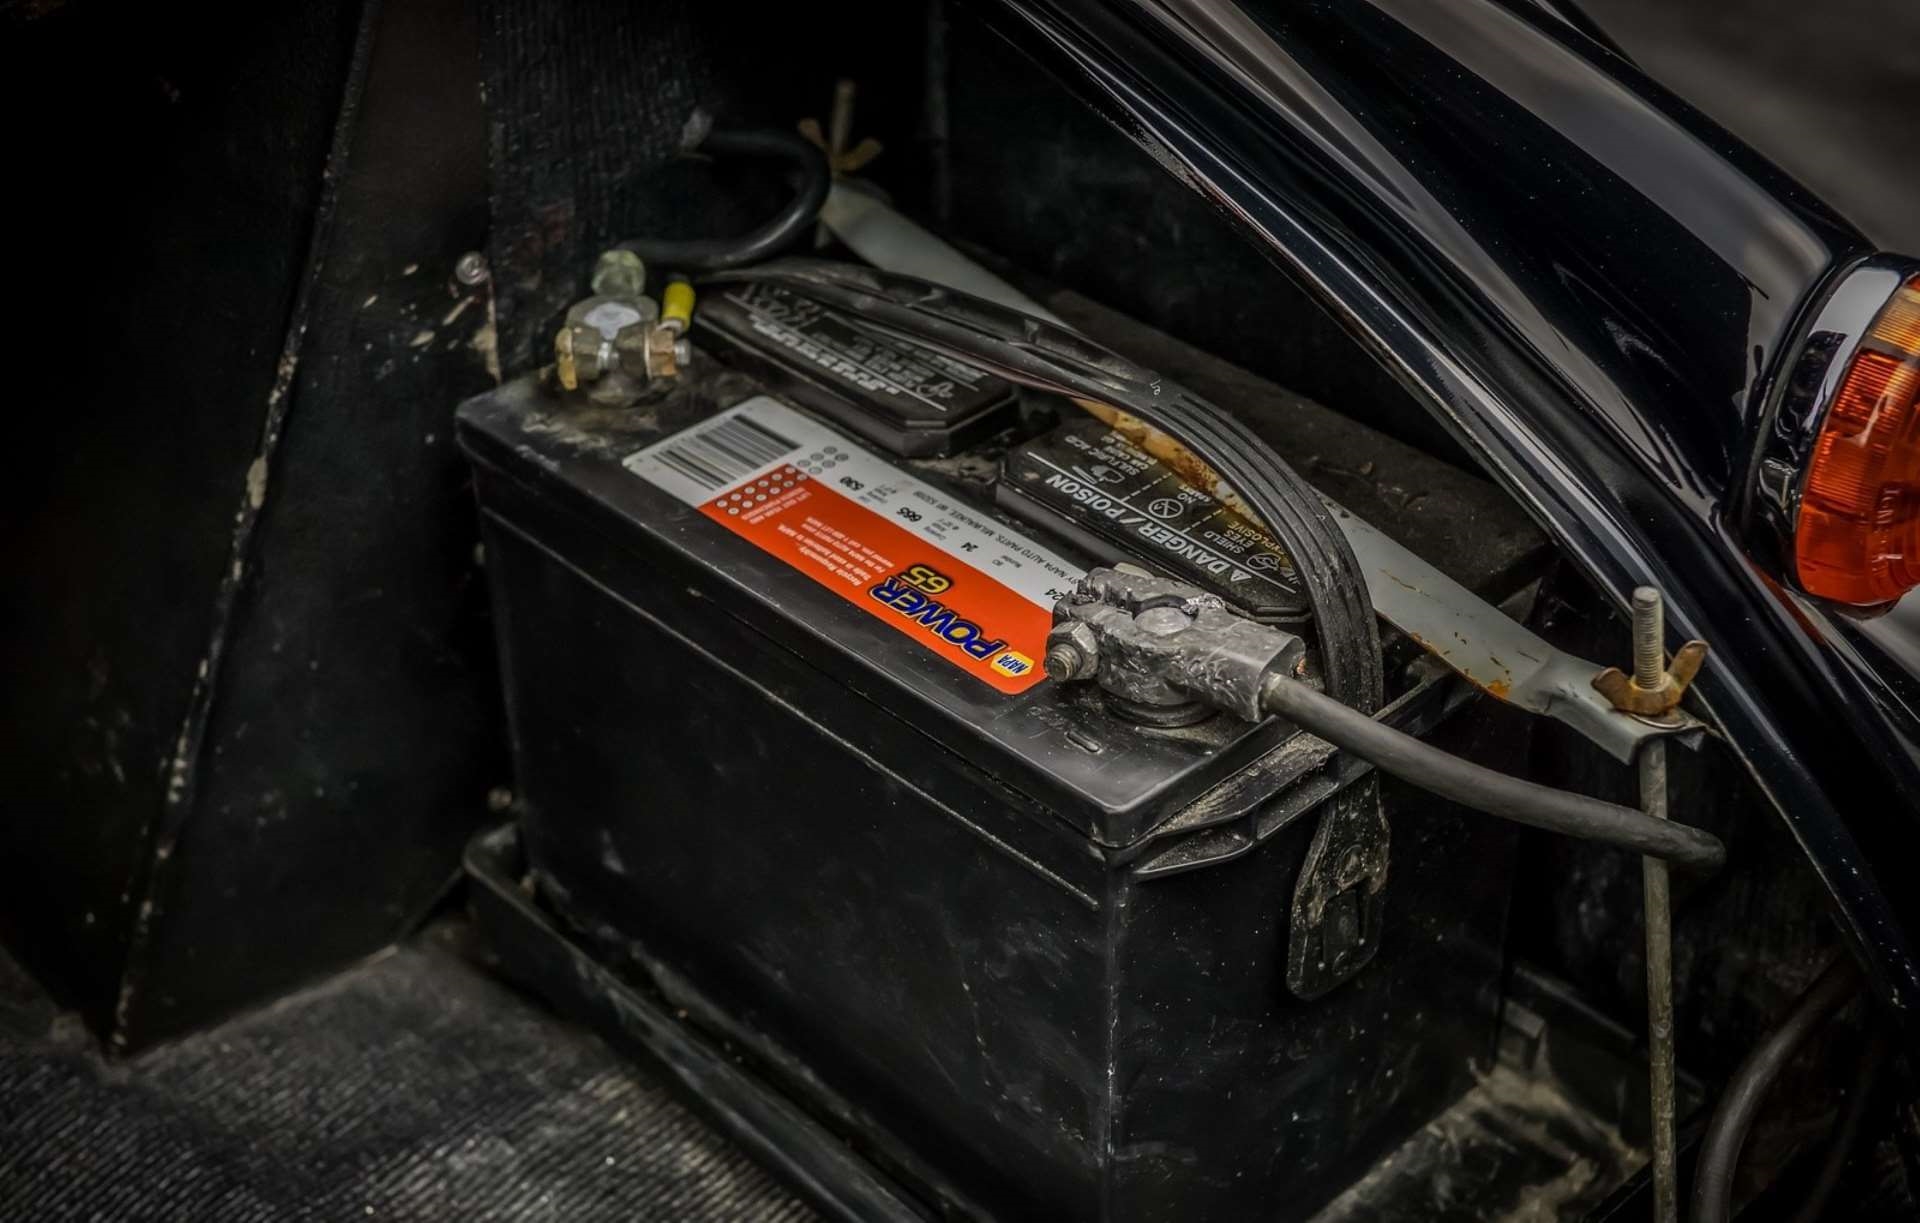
[1747, 1090]
[1042, 355]
[785, 228]
[1483, 789]
[1846, 1132]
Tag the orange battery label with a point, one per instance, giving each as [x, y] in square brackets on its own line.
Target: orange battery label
[960, 584]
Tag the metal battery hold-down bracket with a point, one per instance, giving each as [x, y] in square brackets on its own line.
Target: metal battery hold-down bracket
[1497, 654]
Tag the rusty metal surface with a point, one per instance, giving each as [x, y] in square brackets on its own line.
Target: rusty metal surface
[1496, 654]
[1626, 693]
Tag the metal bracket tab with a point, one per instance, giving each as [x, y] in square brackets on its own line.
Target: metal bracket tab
[1498, 654]
[1339, 897]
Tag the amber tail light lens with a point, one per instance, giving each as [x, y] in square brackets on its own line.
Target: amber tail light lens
[1858, 535]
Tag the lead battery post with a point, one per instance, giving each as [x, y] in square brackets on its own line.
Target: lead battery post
[1163, 652]
[617, 345]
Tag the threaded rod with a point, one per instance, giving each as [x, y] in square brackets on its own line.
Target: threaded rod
[1649, 639]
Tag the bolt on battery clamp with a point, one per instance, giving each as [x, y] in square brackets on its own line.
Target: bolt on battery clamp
[618, 343]
[1164, 653]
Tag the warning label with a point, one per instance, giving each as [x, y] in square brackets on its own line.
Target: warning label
[962, 585]
[1101, 481]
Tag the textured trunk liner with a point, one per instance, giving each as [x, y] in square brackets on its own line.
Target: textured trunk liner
[412, 1087]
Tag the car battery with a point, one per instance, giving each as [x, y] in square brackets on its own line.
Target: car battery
[783, 747]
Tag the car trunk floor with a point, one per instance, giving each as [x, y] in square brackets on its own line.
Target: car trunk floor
[414, 1086]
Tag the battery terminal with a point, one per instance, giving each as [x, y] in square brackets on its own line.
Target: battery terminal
[1164, 653]
[619, 342]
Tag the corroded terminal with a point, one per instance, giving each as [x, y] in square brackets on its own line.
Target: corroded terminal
[1164, 651]
[616, 348]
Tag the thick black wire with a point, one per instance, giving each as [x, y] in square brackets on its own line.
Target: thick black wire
[786, 227]
[1845, 1134]
[1483, 789]
[1747, 1089]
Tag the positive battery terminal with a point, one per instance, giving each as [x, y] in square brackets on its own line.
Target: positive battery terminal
[618, 343]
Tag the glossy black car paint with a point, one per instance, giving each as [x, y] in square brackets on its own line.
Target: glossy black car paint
[1597, 289]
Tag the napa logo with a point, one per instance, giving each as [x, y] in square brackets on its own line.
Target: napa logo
[911, 594]
[1014, 663]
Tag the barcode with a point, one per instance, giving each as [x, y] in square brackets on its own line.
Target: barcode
[725, 451]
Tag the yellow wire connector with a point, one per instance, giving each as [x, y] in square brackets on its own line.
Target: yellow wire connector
[676, 306]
